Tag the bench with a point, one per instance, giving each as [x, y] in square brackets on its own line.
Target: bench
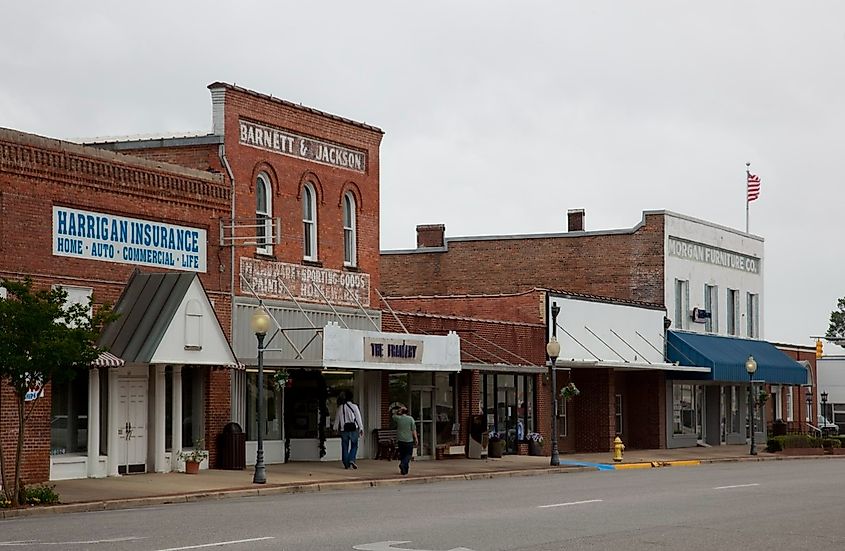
[386, 447]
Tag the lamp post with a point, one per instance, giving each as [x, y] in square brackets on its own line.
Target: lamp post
[809, 409]
[824, 408]
[751, 367]
[553, 351]
[260, 323]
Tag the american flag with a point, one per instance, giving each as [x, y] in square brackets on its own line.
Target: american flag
[753, 186]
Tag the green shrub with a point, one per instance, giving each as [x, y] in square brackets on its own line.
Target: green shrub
[799, 441]
[774, 444]
[43, 494]
[831, 443]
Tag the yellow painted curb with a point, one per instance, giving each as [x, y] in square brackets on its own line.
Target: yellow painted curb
[619, 466]
[684, 463]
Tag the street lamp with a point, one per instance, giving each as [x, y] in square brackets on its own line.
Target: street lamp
[553, 351]
[260, 323]
[751, 367]
[809, 408]
[824, 408]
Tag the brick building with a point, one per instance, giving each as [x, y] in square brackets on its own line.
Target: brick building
[704, 280]
[85, 219]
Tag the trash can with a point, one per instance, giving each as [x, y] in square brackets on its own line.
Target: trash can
[232, 446]
[778, 427]
[477, 447]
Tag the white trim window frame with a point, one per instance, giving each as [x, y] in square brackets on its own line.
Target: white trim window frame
[789, 404]
[753, 315]
[263, 214]
[561, 414]
[682, 311]
[733, 312]
[350, 231]
[619, 416]
[309, 222]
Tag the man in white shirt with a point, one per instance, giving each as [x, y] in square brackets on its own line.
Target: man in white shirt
[349, 424]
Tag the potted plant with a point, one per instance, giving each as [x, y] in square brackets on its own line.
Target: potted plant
[495, 444]
[535, 443]
[569, 392]
[281, 378]
[194, 457]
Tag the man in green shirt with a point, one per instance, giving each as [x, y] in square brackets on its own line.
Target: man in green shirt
[406, 437]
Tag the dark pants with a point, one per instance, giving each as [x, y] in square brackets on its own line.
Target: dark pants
[406, 449]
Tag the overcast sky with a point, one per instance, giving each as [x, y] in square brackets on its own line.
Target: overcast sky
[499, 116]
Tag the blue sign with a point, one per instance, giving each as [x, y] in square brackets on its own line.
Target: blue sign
[109, 238]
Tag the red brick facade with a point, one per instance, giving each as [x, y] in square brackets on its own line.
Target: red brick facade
[35, 466]
[622, 265]
[507, 279]
[38, 173]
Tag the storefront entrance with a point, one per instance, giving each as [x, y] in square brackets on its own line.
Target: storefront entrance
[132, 425]
[422, 398]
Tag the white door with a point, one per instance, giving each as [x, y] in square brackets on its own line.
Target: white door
[132, 425]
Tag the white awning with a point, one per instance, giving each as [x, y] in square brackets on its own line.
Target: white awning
[107, 359]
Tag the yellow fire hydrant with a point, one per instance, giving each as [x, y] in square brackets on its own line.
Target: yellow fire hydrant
[618, 448]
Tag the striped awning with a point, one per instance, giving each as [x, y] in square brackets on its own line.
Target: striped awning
[107, 359]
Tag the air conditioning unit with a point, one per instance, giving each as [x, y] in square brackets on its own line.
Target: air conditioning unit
[700, 316]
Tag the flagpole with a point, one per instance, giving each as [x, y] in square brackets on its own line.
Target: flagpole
[747, 202]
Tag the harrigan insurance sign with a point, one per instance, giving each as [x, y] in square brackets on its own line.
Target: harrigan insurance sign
[108, 238]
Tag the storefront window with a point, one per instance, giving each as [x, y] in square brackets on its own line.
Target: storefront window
[69, 416]
[398, 388]
[337, 382]
[272, 407]
[684, 409]
[446, 421]
[508, 403]
[192, 410]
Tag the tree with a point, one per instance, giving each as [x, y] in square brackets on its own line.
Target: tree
[42, 339]
[836, 330]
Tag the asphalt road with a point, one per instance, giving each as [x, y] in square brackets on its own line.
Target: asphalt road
[761, 505]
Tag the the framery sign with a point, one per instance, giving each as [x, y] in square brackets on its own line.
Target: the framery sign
[267, 279]
[288, 143]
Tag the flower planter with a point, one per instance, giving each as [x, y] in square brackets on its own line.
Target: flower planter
[535, 448]
[803, 451]
[495, 449]
[192, 467]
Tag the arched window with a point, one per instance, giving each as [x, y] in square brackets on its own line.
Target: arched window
[264, 214]
[309, 221]
[349, 233]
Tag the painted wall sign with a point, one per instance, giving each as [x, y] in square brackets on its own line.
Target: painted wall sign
[266, 278]
[288, 143]
[699, 252]
[393, 350]
[109, 238]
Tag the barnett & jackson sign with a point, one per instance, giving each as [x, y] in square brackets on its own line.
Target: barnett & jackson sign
[305, 282]
[108, 238]
[284, 142]
[699, 252]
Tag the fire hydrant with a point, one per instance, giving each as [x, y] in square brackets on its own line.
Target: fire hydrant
[618, 448]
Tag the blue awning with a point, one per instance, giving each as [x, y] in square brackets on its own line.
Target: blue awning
[726, 357]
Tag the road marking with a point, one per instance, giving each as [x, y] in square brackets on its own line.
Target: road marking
[570, 503]
[217, 544]
[388, 546]
[90, 542]
[735, 486]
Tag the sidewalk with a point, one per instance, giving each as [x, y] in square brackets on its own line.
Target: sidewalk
[158, 488]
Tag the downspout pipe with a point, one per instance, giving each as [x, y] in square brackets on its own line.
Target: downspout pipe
[223, 159]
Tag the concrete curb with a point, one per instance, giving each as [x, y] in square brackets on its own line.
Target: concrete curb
[269, 490]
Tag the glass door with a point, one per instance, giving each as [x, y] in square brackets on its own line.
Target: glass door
[422, 398]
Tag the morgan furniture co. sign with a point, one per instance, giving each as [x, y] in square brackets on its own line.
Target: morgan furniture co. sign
[699, 252]
[305, 282]
[288, 143]
[108, 238]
